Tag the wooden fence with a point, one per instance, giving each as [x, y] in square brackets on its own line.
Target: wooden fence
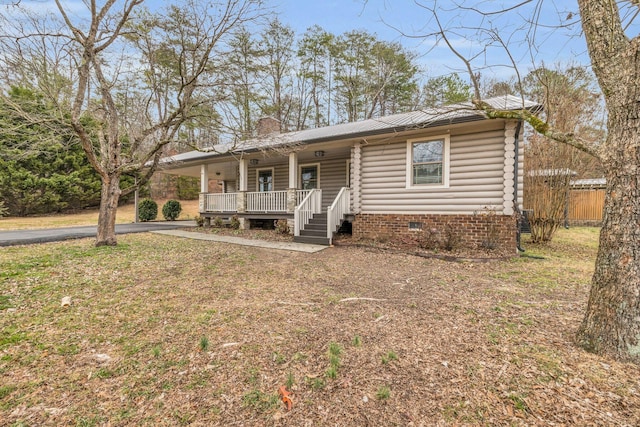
[585, 206]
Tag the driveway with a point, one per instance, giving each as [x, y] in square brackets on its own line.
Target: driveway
[44, 235]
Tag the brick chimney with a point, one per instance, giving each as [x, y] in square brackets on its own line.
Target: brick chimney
[267, 126]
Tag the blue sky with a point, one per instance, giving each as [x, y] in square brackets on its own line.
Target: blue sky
[389, 18]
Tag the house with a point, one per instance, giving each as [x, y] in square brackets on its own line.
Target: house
[390, 177]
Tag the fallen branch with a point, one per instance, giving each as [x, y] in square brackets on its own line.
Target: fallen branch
[361, 299]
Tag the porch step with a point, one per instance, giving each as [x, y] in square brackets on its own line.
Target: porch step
[317, 226]
[315, 232]
[314, 240]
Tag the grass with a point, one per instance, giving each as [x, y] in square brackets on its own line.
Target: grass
[356, 341]
[260, 401]
[461, 343]
[204, 343]
[389, 357]
[383, 393]
[126, 214]
[335, 350]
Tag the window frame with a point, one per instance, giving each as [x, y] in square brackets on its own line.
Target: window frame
[445, 161]
[306, 165]
[273, 179]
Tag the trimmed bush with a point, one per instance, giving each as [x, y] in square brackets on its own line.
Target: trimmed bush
[234, 222]
[171, 210]
[147, 210]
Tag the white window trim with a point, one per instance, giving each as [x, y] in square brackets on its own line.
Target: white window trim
[273, 178]
[306, 165]
[445, 162]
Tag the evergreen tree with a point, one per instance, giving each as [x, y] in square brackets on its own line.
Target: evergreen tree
[44, 168]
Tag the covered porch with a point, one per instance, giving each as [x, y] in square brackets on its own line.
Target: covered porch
[309, 189]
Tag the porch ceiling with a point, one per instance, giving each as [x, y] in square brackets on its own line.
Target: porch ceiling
[226, 168]
[217, 170]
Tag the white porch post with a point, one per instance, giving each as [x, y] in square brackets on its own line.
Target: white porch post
[244, 175]
[241, 199]
[204, 186]
[356, 158]
[204, 179]
[293, 183]
[293, 170]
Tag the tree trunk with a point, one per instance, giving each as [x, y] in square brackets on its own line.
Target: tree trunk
[108, 208]
[611, 325]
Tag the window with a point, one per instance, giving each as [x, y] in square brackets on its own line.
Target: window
[428, 162]
[309, 177]
[265, 179]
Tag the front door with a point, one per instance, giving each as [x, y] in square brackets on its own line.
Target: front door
[309, 177]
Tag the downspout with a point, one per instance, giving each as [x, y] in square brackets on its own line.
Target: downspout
[515, 186]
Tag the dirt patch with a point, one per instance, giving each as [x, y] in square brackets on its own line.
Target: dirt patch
[255, 234]
[165, 331]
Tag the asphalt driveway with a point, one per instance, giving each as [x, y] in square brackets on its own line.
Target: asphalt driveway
[44, 235]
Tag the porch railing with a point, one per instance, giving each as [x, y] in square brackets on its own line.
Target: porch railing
[256, 202]
[310, 205]
[337, 210]
[301, 195]
[220, 202]
[267, 201]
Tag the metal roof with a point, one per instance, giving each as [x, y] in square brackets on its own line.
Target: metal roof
[432, 117]
[589, 182]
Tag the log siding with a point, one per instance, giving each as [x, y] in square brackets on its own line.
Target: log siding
[476, 176]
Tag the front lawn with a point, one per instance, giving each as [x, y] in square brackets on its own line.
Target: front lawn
[170, 331]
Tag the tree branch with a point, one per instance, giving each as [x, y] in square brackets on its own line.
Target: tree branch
[538, 125]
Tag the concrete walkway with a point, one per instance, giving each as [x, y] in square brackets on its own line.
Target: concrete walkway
[44, 235]
[286, 246]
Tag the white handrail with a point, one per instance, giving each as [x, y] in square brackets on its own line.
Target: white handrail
[301, 195]
[337, 210]
[310, 205]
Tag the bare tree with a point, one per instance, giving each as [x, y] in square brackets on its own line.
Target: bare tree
[610, 326]
[110, 46]
[571, 104]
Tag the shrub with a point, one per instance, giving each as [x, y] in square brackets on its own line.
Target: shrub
[429, 239]
[217, 222]
[234, 222]
[200, 220]
[452, 239]
[147, 210]
[171, 210]
[282, 226]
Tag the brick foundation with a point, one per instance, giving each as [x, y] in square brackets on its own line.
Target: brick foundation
[477, 231]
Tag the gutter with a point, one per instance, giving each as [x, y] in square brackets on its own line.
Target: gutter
[515, 186]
